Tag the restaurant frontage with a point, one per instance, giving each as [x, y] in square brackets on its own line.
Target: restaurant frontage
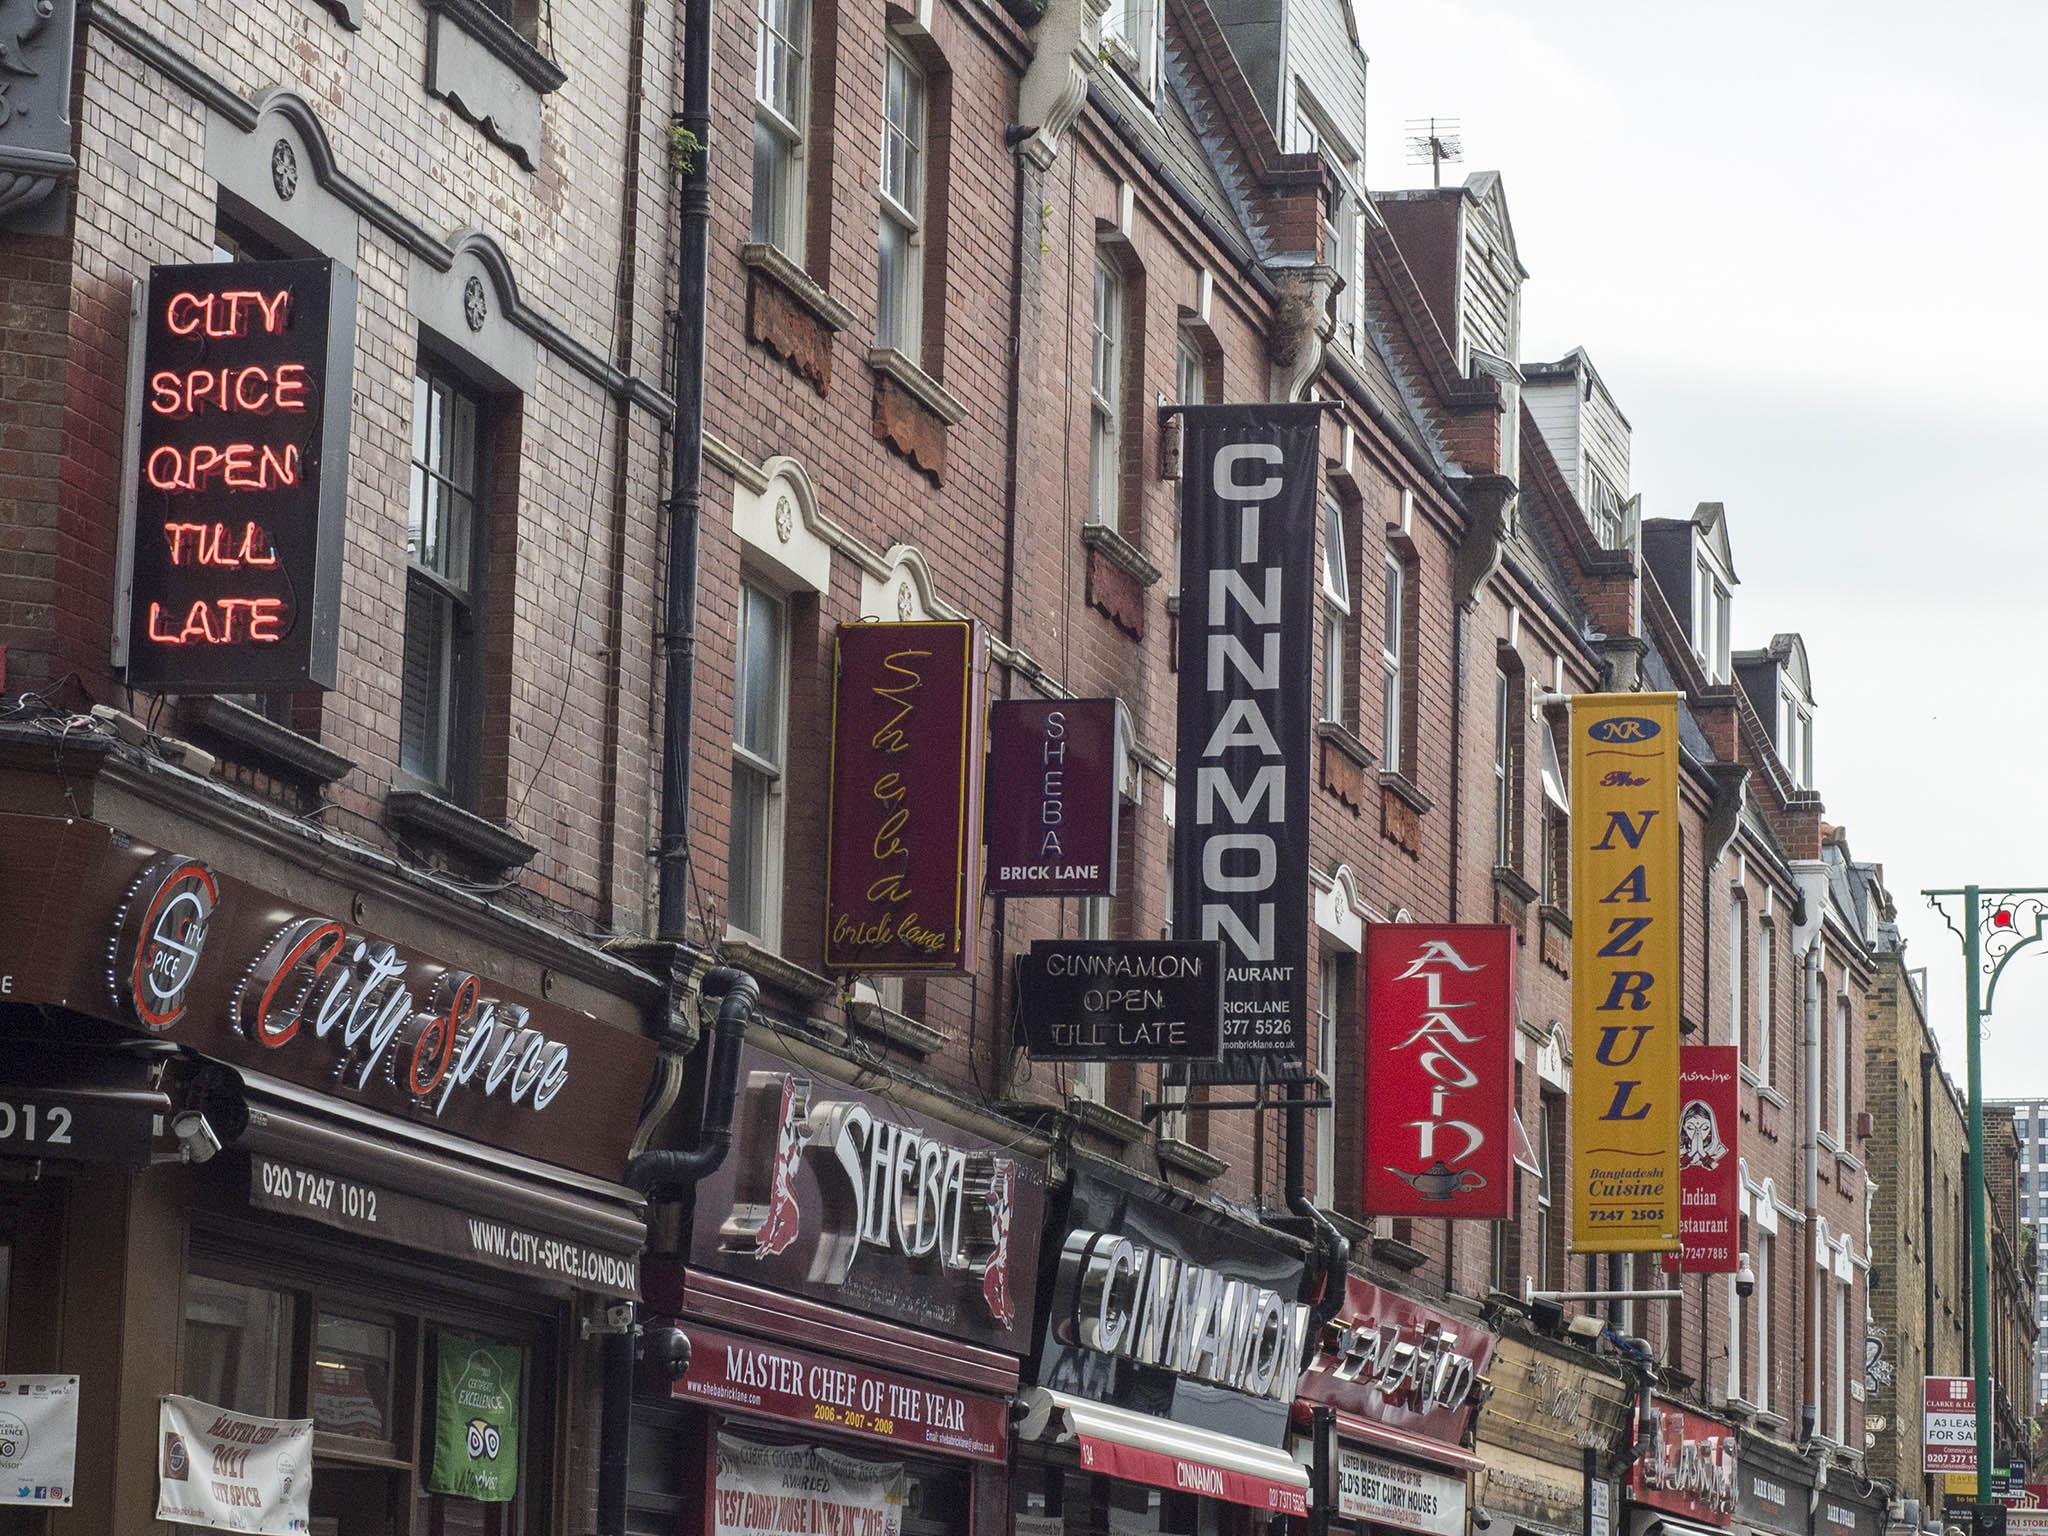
[1165, 1370]
[856, 1283]
[1551, 1438]
[293, 1138]
[1391, 1391]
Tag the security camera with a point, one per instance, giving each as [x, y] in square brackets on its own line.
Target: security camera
[1481, 1518]
[197, 1139]
[1745, 1278]
[666, 1348]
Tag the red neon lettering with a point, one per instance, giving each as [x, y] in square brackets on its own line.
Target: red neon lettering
[226, 313]
[255, 390]
[208, 544]
[241, 466]
[215, 623]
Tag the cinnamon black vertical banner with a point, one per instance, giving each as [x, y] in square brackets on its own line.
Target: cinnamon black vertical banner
[1247, 660]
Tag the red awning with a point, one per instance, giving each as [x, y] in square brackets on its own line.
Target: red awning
[1115, 1442]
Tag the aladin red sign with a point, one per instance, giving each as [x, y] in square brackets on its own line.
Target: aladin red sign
[1439, 1070]
[1687, 1468]
[903, 863]
[1709, 1177]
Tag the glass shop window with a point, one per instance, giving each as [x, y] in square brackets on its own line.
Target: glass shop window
[426, 1421]
[1085, 1505]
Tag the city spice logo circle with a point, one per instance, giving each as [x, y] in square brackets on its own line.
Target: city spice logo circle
[1617, 728]
[167, 929]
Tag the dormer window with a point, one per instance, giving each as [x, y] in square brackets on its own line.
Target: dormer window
[1710, 619]
[1130, 39]
[1312, 135]
[1795, 737]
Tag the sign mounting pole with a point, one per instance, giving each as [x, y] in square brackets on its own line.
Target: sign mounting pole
[1997, 923]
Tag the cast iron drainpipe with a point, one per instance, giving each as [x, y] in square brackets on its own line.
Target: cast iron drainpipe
[1810, 1412]
[666, 1175]
[1332, 1246]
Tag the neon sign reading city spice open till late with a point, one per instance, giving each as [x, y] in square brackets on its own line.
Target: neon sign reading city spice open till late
[241, 476]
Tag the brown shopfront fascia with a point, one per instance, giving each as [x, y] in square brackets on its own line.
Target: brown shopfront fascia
[857, 1284]
[399, 1156]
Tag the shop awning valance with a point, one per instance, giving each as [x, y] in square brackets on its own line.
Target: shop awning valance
[1114, 1442]
[1451, 1457]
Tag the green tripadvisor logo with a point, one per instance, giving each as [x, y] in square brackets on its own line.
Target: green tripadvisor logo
[476, 1441]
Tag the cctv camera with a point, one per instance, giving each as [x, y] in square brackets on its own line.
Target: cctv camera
[1482, 1519]
[1745, 1278]
[197, 1139]
[667, 1348]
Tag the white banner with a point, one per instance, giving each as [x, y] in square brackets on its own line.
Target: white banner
[1393, 1493]
[38, 1440]
[803, 1490]
[233, 1471]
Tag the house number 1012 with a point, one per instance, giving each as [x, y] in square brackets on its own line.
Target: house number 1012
[46, 1124]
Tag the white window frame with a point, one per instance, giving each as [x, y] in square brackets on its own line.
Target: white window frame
[1336, 612]
[1738, 1305]
[1766, 994]
[1760, 1262]
[1840, 1394]
[1795, 736]
[1838, 1078]
[1738, 978]
[1393, 646]
[1130, 37]
[444, 539]
[1548, 1107]
[1312, 135]
[1106, 338]
[902, 207]
[1503, 770]
[1329, 1002]
[787, 121]
[769, 858]
[1710, 619]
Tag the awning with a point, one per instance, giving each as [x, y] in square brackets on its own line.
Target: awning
[373, 1176]
[1670, 1525]
[1351, 1427]
[1118, 1443]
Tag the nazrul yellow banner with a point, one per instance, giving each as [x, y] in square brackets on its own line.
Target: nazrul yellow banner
[1625, 914]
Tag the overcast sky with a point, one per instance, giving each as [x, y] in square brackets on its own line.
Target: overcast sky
[1804, 241]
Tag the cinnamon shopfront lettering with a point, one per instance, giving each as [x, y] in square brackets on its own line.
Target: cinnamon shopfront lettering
[1141, 1303]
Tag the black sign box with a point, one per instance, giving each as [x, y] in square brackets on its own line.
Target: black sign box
[242, 477]
[1121, 1000]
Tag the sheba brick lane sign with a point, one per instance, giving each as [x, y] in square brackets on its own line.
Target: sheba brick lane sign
[1052, 797]
[1247, 592]
[903, 878]
[1625, 914]
[242, 477]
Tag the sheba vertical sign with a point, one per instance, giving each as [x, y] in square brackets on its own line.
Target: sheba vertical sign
[1625, 913]
[1247, 593]
[242, 478]
[904, 858]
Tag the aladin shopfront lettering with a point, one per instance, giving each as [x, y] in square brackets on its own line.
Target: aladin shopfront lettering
[1147, 1306]
[1701, 1469]
[1424, 1373]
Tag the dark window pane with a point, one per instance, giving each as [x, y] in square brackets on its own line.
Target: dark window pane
[352, 1369]
[238, 1346]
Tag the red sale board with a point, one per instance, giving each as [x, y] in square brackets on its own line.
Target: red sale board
[1709, 1175]
[1439, 1070]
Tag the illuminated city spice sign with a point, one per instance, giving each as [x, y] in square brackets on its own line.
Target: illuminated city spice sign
[242, 477]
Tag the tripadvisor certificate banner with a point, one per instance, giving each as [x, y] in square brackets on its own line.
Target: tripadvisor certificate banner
[38, 1440]
[1625, 913]
[476, 1420]
[232, 1471]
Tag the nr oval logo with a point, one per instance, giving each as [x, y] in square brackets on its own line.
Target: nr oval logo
[1623, 728]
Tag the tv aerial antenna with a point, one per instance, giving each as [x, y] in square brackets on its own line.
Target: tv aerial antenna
[1432, 141]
